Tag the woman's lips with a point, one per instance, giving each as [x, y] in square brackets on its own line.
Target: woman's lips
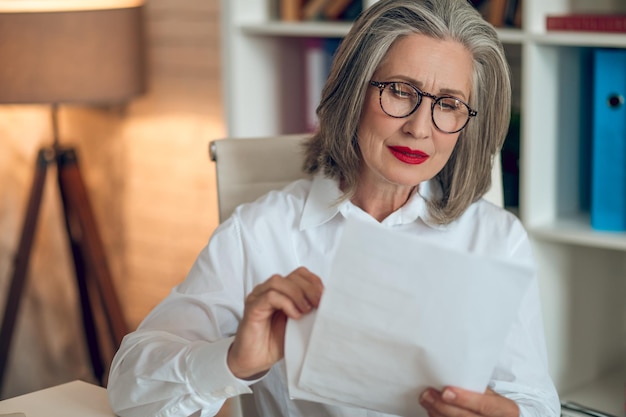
[408, 155]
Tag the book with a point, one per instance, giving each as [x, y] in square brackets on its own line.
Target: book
[290, 10]
[510, 160]
[314, 9]
[273, 8]
[315, 66]
[352, 11]
[335, 8]
[512, 13]
[608, 153]
[517, 19]
[495, 13]
[343, 9]
[587, 22]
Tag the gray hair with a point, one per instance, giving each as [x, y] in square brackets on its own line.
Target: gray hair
[466, 177]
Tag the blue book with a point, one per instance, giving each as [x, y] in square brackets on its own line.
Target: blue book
[608, 169]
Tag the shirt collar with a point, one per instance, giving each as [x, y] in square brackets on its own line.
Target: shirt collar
[322, 205]
[416, 207]
[322, 202]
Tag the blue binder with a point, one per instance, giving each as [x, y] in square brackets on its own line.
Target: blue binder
[608, 171]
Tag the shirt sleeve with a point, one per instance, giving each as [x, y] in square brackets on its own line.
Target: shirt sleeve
[175, 362]
[522, 370]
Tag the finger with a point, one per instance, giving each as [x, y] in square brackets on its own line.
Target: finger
[304, 287]
[300, 290]
[488, 404]
[427, 403]
[310, 283]
[270, 296]
[434, 404]
[297, 289]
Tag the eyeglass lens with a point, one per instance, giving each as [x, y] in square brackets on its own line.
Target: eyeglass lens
[399, 99]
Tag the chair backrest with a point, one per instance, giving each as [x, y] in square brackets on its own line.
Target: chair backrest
[247, 168]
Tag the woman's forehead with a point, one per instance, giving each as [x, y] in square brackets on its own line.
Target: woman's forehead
[426, 62]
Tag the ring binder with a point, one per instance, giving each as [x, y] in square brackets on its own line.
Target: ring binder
[608, 179]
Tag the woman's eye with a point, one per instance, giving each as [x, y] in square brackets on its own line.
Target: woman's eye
[448, 104]
[401, 90]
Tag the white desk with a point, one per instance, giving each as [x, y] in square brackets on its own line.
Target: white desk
[74, 399]
[607, 393]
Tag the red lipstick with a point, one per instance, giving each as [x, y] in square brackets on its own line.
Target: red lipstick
[408, 155]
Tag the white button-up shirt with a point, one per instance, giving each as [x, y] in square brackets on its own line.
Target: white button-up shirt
[174, 364]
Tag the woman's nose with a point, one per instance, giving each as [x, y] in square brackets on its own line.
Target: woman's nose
[419, 124]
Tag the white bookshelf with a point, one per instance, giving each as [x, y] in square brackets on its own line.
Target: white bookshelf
[582, 272]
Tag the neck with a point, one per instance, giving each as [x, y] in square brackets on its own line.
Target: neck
[382, 203]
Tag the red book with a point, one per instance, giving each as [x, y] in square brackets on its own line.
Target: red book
[587, 23]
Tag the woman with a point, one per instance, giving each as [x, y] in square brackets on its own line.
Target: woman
[415, 108]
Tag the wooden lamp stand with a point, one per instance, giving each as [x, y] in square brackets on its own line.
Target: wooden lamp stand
[93, 279]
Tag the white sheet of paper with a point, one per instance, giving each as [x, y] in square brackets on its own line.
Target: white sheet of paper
[399, 316]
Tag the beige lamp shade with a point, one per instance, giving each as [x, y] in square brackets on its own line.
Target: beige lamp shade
[71, 51]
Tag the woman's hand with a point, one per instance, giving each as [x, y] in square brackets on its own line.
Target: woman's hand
[456, 402]
[259, 342]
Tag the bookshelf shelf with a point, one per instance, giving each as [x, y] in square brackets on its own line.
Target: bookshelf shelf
[579, 39]
[338, 29]
[511, 36]
[304, 29]
[575, 230]
[582, 272]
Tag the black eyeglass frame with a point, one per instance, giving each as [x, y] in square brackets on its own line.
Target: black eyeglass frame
[381, 85]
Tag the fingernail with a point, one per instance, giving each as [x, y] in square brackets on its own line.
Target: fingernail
[427, 397]
[448, 395]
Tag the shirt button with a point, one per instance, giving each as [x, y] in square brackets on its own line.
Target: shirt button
[230, 390]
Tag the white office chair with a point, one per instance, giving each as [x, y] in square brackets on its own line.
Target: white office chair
[248, 168]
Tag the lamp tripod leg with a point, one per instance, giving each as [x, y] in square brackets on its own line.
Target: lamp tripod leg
[94, 279]
[20, 267]
[74, 233]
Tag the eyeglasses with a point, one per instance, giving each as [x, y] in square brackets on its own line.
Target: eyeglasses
[399, 99]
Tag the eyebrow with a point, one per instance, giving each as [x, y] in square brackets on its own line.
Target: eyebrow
[444, 91]
[452, 92]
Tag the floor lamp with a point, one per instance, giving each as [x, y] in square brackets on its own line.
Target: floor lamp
[69, 52]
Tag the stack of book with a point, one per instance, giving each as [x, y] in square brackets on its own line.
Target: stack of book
[614, 23]
[500, 13]
[302, 10]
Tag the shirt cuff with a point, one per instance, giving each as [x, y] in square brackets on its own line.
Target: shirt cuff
[209, 374]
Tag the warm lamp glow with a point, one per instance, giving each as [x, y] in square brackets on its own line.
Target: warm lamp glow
[33, 6]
